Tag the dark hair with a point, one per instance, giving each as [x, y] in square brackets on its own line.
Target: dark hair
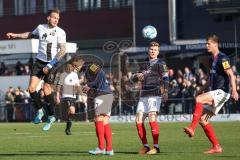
[54, 10]
[213, 38]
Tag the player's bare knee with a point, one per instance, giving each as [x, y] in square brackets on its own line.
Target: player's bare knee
[106, 120]
[198, 99]
[47, 92]
[139, 117]
[202, 121]
[31, 89]
[71, 111]
[152, 116]
[47, 88]
[99, 118]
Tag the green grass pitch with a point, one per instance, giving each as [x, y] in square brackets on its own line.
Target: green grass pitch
[26, 141]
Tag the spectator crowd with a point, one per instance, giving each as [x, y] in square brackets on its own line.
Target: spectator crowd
[184, 86]
[17, 69]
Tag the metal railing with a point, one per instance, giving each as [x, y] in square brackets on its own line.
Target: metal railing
[25, 112]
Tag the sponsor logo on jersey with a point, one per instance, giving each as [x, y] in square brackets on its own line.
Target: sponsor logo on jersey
[44, 36]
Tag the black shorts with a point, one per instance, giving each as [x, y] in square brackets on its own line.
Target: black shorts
[37, 70]
[69, 102]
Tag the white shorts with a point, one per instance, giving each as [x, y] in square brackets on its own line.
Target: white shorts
[219, 98]
[149, 104]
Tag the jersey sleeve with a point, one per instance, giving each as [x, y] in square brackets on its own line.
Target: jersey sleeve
[163, 69]
[225, 63]
[99, 80]
[62, 37]
[35, 32]
[165, 78]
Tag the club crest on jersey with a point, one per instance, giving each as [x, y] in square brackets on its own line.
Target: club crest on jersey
[53, 33]
[94, 68]
[225, 64]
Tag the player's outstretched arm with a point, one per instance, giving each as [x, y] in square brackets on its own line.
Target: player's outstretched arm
[24, 35]
[233, 83]
[165, 86]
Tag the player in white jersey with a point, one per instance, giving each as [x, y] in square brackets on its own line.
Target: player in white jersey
[68, 87]
[52, 47]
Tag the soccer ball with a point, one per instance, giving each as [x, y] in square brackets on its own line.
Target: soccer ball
[149, 32]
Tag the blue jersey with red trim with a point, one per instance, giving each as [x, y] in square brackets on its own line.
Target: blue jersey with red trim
[155, 72]
[218, 77]
[96, 79]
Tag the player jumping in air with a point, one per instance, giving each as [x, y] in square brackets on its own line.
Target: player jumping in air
[52, 47]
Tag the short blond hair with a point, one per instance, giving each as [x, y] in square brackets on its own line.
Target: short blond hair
[54, 10]
[153, 44]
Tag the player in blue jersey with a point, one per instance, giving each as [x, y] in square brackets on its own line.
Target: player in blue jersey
[96, 80]
[52, 47]
[221, 78]
[155, 81]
